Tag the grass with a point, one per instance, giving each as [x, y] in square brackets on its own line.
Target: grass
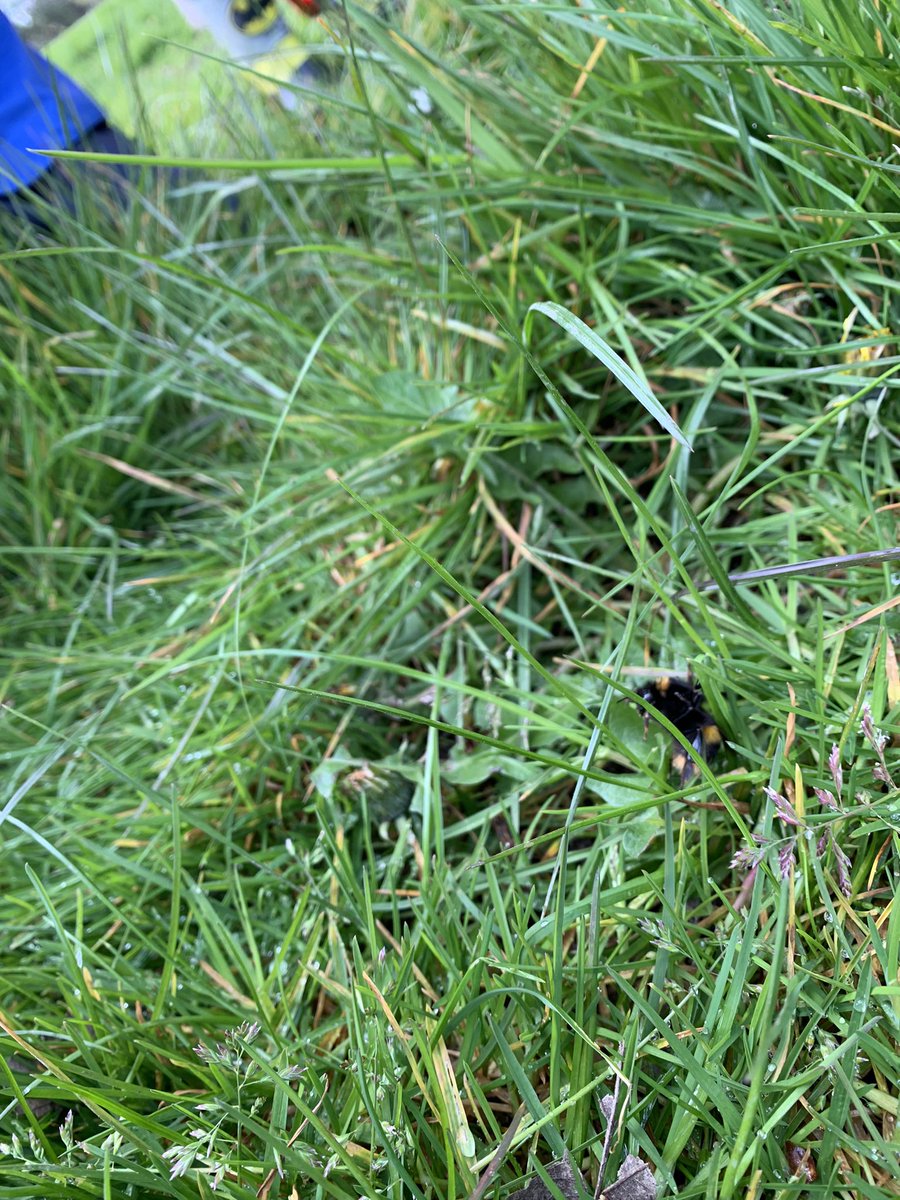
[334, 862]
[128, 57]
[153, 73]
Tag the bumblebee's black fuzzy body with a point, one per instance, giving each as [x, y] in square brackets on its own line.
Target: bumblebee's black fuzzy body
[681, 702]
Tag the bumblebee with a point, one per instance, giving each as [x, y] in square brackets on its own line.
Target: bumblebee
[681, 702]
[253, 17]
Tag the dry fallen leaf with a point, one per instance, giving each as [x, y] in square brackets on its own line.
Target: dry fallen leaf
[563, 1175]
[634, 1181]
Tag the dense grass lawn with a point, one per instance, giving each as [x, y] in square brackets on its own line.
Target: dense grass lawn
[357, 492]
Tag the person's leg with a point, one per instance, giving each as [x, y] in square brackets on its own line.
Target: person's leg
[58, 188]
[107, 140]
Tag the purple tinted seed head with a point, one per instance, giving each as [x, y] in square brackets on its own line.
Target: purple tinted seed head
[783, 807]
[834, 766]
[786, 858]
[842, 864]
[744, 858]
[873, 736]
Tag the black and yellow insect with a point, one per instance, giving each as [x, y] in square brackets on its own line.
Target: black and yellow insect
[682, 702]
[253, 17]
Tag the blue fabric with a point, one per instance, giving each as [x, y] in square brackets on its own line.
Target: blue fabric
[40, 109]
